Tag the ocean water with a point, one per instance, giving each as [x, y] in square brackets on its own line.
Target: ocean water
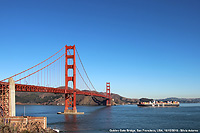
[122, 118]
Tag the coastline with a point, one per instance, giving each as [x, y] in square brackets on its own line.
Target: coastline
[18, 103]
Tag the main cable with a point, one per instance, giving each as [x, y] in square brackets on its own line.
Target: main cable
[33, 66]
[40, 69]
[84, 69]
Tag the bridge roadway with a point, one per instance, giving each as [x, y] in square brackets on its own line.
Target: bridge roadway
[33, 88]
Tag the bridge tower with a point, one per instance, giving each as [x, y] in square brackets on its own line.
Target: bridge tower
[108, 102]
[70, 98]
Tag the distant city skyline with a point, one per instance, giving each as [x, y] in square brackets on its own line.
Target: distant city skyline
[143, 48]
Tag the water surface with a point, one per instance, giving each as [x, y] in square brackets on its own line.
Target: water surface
[103, 119]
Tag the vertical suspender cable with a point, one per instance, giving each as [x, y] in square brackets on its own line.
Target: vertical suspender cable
[47, 75]
[84, 69]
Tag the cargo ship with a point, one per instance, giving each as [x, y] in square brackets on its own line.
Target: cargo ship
[154, 103]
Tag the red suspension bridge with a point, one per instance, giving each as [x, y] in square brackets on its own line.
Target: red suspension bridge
[50, 76]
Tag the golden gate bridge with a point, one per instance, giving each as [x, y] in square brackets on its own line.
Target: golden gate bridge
[59, 71]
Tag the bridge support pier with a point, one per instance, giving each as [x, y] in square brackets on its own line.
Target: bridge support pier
[11, 97]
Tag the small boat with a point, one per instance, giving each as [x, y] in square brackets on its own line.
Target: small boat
[153, 103]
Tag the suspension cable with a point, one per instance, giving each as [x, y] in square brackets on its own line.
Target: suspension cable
[84, 69]
[34, 66]
[41, 68]
[82, 78]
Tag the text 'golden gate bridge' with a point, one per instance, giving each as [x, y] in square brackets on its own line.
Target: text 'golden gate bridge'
[60, 73]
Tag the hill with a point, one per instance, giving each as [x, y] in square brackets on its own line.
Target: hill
[182, 100]
[58, 99]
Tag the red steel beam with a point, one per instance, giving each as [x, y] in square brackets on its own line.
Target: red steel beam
[33, 88]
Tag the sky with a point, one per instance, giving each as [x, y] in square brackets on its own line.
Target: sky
[144, 48]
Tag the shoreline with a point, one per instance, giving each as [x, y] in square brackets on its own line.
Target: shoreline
[78, 105]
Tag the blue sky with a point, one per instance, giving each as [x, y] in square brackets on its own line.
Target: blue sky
[144, 48]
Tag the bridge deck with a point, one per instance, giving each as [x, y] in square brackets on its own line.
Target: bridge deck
[33, 88]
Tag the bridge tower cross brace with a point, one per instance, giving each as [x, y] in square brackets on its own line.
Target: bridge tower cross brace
[70, 98]
[108, 102]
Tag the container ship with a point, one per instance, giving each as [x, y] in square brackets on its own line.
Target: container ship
[154, 103]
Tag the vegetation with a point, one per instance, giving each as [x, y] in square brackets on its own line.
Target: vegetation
[36, 98]
[182, 100]
[58, 99]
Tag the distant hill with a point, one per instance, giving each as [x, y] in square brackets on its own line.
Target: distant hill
[123, 100]
[58, 99]
[182, 100]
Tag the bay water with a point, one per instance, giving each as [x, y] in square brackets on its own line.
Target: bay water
[121, 118]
